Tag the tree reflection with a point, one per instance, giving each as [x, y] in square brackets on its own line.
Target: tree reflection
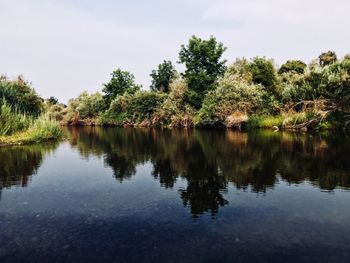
[210, 160]
[19, 163]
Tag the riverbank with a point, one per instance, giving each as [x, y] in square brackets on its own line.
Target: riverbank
[308, 120]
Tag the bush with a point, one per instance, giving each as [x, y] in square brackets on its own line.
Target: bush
[231, 96]
[175, 111]
[134, 108]
[86, 106]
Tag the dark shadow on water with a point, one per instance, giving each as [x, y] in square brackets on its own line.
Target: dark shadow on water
[210, 160]
[19, 163]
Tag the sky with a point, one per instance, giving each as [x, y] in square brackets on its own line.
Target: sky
[64, 47]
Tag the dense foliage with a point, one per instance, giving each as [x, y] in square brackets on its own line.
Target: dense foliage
[202, 59]
[120, 83]
[249, 92]
[19, 94]
[162, 77]
[293, 66]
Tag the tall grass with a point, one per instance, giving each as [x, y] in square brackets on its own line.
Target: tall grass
[265, 121]
[12, 121]
[16, 127]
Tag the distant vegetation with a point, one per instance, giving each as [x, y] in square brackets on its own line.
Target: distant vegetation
[210, 93]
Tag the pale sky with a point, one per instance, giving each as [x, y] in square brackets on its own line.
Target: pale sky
[64, 47]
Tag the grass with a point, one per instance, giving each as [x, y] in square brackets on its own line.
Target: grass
[12, 121]
[42, 129]
[265, 121]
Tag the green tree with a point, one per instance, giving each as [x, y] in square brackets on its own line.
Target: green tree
[52, 100]
[202, 59]
[19, 94]
[264, 73]
[327, 58]
[294, 66]
[120, 83]
[162, 76]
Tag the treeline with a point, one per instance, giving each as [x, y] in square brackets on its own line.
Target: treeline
[255, 93]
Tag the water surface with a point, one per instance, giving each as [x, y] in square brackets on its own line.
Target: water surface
[140, 195]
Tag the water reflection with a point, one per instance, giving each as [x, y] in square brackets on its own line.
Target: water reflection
[210, 160]
[19, 163]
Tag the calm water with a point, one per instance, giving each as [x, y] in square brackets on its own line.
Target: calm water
[135, 195]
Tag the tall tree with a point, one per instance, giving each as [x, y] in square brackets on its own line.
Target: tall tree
[327, 58]
[295, 66]
[264, 73]
[162, 76]
[202, 59]
[120, 83]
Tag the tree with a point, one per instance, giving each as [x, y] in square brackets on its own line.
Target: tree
[294, 66]
[327, 58]
[52, 100]
[264, 73]
[19, 94]
[202, 59]
[162, 76]
[120, 83]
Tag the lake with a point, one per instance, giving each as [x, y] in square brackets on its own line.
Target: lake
[152, 195]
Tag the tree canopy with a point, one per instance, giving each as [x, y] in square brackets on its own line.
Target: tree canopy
[327, 58]
[294, 66]
[264, 73]
[162, 76]
[204, 65]
[120, 83]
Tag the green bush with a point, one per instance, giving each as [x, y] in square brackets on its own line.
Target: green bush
[231, 96]
[86, 105]
[135, 108]
[175, 110]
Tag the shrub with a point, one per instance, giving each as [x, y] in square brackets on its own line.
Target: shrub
[230, 96]
[86, 105]
[175, 110]
[134, 108]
